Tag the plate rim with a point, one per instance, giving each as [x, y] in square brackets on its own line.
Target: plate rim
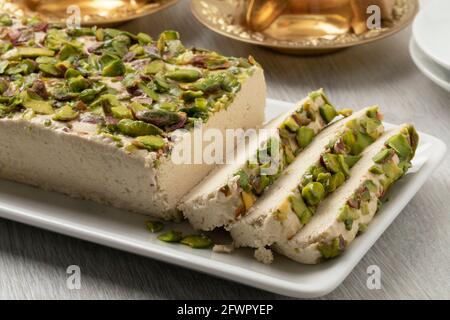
[289, 48]
[226, 270]
[413, 48]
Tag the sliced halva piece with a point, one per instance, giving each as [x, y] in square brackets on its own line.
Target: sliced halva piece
[229, 191]
[341, 217]
[321, 169]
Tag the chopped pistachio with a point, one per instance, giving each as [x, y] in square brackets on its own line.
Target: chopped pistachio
[347, 216]
[137, 128]
[144, 38]
[333, 248]
[38, 106]
[291, 124]
[154, 226]
[114, 69]
[197, 241]
[313, 193]
[376, 170]
[304, 136]
[243, 181]
[171, 236]
[49, 69]
[300, 209]
[151, 143]
[328, 112]
[121, 112]
[78, 84]
[345, 112]
[401, 146]
[154, 67]
[65, 113]
[27, 52]
[184, 75]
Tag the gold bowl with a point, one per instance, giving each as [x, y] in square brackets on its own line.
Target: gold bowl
[93, 12]
[230, 18]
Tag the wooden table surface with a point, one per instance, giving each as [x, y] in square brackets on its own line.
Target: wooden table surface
[413, 253]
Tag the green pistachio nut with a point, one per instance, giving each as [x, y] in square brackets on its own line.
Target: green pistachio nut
[71, 73]
[78, 84]
[88, 95]
[50, 69]
[38, 106]
[300, 209]
[352, 160]
[150, 143]
[313, 193]
[121, 112]
[114, 69]
[5, 20]
[144, 38]
[335, 182]
[362, 142]
[332, 163]
[345, 112]
[244, 180]
[377, 170]
[401, 146]
[171, 236]
[327, 112]
[392, 171]
[160, 117]
[383, 155]
[27, 52]
[154, 226]
[304, 136]
[184, 75]
[137, 128]
[191, 95]
[347, 216]
[69, 50]
[65, 113]
[154, 67]
[291, 124]
[197, 241]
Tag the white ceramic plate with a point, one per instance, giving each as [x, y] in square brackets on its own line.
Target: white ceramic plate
[119, 229]
[431, 30]
[429, 67]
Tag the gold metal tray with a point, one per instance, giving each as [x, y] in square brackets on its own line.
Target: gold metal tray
[227, 17]
[93, 12]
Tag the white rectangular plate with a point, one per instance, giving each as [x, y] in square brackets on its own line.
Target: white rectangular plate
[125, 231]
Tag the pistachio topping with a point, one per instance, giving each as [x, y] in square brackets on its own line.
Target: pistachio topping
[133, 85]
[295, 134]
[333, 169]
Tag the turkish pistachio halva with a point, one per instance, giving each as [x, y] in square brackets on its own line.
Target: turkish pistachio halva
[93, 113]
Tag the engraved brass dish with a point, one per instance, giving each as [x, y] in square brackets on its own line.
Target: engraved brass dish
[296, 33]
[92, 12]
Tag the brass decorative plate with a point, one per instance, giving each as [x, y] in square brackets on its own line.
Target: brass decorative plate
[93, 12]
[227, 17]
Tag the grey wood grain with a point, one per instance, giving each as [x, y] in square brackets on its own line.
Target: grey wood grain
[413, 254]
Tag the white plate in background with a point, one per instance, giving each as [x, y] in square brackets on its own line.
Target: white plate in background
[431, 29]
[126, 231]
[429, 67]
